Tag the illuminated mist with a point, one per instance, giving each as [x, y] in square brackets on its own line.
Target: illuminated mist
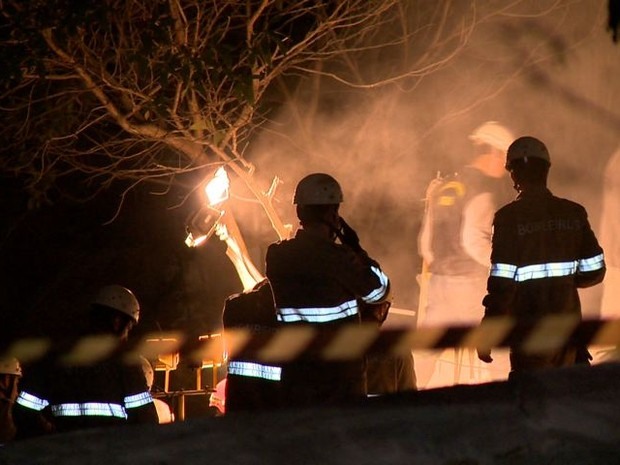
[543, 68]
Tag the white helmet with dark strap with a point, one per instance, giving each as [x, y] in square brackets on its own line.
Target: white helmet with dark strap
[493, 134]
[119, 298]
[318, 189]
[10, 366]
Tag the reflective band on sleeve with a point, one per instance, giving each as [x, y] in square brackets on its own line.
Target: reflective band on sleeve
[32, 402]
[254, 370]
[318, 314]
[546, 270]
[138, 400]
[503, 270]
[377, 294]
[592, 264]
[89, 409]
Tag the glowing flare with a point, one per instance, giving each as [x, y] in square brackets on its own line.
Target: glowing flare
[217, 188]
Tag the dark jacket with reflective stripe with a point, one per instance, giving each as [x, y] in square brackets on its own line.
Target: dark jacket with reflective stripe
[543, 250]
[321, 280]
[251, 383]
[77, 397]
[317, 282]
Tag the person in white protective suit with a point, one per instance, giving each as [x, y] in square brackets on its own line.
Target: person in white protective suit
[609, 235]
[455, 245]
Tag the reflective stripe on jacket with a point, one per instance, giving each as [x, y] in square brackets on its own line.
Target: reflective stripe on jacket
[84, 409]
[66, 398]
[543, 250]
[254, 370]
[250, 384]
[317, 281]
[547, 270]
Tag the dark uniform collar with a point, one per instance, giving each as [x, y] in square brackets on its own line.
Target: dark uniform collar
[310, 235]
[534, 191]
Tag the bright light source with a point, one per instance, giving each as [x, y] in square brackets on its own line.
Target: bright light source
[192, 241]
[201, 225]
[217, 188]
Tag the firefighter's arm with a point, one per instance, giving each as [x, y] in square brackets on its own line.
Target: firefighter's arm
[590, 278]
[374, 313]
[501, 286]
[31, 411]
[477, 224]
[30, 422]
[424, 237]
[484, 354]
[501, 283]
[138, 401]
[349, 238]
[591, 266]
[144, 414]
[483, 348]
[360, 274]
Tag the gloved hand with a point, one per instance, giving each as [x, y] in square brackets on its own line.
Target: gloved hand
[484, 354]
[348, 236]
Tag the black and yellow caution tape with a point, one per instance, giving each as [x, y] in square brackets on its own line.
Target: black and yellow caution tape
[306, 342]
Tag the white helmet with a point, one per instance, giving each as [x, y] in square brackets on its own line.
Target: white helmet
[217, 398]
[527, 147]
[10, 366]
[119, 298]
[493, 134]
[147, 369]
[318, 189]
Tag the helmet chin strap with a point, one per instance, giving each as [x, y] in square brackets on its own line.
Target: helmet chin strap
[515, 185]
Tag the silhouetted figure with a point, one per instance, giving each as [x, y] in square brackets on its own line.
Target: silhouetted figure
[251, 383]
[543, 251]
[59, 396]
[317, 284]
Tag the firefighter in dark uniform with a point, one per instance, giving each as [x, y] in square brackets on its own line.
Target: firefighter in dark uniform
[543, 251]
[251, 383]
[317, 283]
[57, 396]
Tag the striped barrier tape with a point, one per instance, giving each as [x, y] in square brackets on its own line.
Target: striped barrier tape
[304, 342]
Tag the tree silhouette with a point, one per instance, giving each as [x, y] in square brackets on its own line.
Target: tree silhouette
[96, 91]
